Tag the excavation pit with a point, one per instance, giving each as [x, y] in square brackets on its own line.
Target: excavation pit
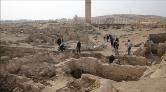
[76, 73]
[109, 71]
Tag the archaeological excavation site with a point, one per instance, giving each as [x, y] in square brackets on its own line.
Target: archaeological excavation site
[112, 53]
[31, 62]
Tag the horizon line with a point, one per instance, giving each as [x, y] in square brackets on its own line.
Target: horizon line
[84, 17]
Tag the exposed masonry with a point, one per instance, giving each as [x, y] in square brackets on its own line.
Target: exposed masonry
[110, 71]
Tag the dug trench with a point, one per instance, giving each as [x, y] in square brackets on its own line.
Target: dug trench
[90, 65]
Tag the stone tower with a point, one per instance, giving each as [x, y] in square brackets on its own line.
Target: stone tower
[88, 11]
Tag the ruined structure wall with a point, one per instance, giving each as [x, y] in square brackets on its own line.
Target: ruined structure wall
[161, 49]
[160, 42]
[133, 60]
[158, 38]
[109, 71]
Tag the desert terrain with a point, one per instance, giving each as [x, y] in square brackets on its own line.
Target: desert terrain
[31, 62]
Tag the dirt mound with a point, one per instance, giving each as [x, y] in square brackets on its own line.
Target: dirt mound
[147, 85]
[14, 83]
[39, 67]
[156, 71]
[17, 52]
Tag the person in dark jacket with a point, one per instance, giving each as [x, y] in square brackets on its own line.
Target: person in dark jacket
[111, 59]
[117, 39]
[110, 37]
[79, 47]
[104, 38]
[59, 41]
[107, 38]
[116, 47]
[116, 44]
[62, 47]
[112, 42]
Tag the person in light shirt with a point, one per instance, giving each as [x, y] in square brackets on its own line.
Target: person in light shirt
[129, 45]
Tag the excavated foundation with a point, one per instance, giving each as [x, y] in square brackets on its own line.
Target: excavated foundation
[159, 46]
[132, 60]
[158, 38]
[110, 71]
[76, 73]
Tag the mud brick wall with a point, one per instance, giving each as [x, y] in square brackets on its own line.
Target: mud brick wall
[109, 71]
[158, 38]
[133, 60]
[161, 49]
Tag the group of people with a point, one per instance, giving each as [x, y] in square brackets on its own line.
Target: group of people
[109, 38]
[62, 46]
[115, 44]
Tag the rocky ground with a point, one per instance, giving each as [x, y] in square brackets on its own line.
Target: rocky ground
[30, 61]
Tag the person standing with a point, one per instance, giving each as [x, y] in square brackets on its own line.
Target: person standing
[111, 59]
[79, 47]
[62, 47]
[59, 41]
[107, 37]
[116, 46]
[104, 38]
[110, 36]
[112, 42]
[129, 46]
[117, 39]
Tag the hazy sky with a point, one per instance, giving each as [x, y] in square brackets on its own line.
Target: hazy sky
[52, 9]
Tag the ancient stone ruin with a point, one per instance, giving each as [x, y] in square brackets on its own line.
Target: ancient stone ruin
[31, 62]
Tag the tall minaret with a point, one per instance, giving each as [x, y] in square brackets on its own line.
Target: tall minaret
[88, 11]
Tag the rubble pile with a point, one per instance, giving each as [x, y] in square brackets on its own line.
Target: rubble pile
[86, 83]
[38, 67]
[14, 83]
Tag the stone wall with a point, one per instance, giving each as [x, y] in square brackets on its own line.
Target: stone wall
[161, 49]
[133, 60]
[109, 71]
[14, 83]
[158, 38]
